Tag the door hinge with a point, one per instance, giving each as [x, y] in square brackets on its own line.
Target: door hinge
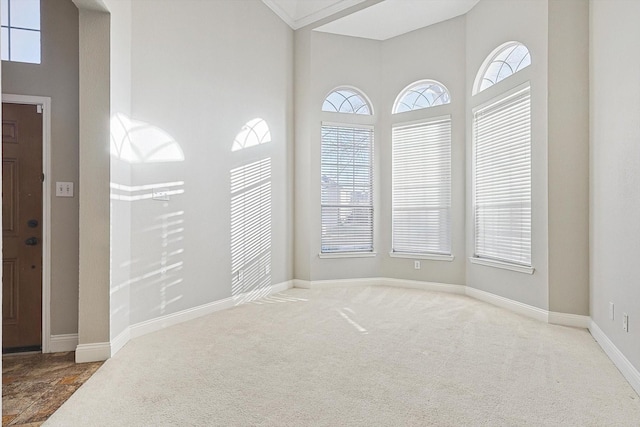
[42, 178]
[39, 108]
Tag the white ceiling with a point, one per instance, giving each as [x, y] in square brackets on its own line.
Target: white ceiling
[381, 21]
[392, 18]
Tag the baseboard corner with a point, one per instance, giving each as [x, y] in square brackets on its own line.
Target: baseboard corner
[120, 341]
[63, 342]
[571, 320]
[302, 284]
[94, 352]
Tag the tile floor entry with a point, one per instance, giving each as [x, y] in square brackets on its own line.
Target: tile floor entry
[34, 386]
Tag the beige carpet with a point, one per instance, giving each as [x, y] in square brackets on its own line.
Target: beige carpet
[357, 356]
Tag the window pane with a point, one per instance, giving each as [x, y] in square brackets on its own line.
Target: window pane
[25, 46]
[5, 44]
[25, 14]
[422, 94]
[5, 13]
[346, 189]
[346, 101]
[422, 187]
[506, 60]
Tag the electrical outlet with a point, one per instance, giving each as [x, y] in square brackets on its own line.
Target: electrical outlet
[611, 311]
[416, 265]
[625, 322]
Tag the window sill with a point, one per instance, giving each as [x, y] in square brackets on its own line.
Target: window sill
[347, 255]
[504, 265]
[432, 257]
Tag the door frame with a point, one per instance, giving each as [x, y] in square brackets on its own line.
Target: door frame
[45, 103]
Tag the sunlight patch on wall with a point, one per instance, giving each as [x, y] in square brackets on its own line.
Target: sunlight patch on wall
[138, 142]
[255, 132]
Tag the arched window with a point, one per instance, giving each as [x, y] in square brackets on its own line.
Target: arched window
[506, 60]
[347, 100]
[421, 94]
[255, 132]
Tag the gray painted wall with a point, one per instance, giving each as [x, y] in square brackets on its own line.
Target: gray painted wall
[94, 272]
[436, 52]
[490, 24]
[57, 77]
[381, 70]
[569, 156]
[615, 171]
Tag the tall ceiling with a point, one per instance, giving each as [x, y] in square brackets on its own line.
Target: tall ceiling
[379, 21]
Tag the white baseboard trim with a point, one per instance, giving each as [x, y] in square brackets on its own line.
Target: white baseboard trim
[95, 352]
[302, 284]
[62, 343]
[119, 341]
[622, 363]
[506, 303]
[172, 319]
[380, 281]
[509, 304]
[572, 320]
[425, 286]
[339, 283]
[153, 325]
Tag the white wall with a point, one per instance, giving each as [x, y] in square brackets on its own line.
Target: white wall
[489, 24]
[200, 71]
[615, 171]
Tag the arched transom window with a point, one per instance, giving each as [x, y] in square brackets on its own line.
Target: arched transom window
[347, 100]
[506, 60]
[421, 94]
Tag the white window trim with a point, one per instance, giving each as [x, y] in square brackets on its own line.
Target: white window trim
[503, 265]
[502, 96]
[432, 257]
[330, 255]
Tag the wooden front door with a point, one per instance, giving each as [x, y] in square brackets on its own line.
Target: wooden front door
[21, 227]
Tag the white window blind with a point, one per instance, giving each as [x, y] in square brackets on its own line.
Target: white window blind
[502, 180]
[346, 194]
[422, 187]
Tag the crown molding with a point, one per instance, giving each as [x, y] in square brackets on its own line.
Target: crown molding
[299, 22]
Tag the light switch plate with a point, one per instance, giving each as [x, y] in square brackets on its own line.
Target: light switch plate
[64, 189]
